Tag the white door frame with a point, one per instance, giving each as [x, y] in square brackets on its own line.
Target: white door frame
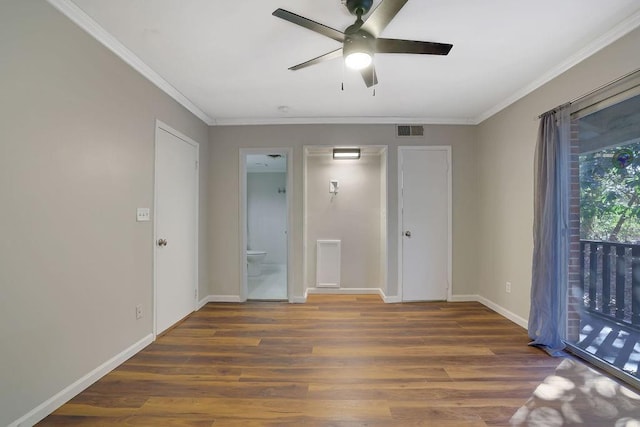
[244, 286]
[404, 149]
[163, 126]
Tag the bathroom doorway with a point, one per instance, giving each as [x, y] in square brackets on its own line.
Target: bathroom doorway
[265, 181]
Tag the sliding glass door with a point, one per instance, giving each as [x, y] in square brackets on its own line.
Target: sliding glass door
[603, 304]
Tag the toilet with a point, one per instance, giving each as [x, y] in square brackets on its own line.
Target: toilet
[254, 262]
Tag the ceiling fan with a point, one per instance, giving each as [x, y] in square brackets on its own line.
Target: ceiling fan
[360, 41]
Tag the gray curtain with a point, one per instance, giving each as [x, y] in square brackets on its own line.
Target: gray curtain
[550, 232]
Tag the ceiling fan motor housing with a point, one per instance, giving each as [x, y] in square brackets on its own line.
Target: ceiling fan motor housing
[360, 41]
[359, 7]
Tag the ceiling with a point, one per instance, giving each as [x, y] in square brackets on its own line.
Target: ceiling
[227, 61]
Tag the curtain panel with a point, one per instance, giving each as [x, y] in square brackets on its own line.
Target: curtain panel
[550, 232]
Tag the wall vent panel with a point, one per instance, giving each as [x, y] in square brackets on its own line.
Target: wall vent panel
[328, 264]
[409, 130]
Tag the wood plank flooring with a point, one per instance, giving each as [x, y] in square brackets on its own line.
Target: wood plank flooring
[334, 361]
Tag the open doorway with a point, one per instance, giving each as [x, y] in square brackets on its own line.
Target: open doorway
[265, 181]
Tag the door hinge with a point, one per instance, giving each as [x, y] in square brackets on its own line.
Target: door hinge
[196, 165]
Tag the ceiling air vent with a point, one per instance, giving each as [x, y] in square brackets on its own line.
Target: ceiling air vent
[410, 130]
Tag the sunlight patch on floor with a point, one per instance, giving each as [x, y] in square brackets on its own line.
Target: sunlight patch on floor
[582, 396]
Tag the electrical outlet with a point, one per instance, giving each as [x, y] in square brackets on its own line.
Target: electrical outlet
[139, 311]
[507, 287]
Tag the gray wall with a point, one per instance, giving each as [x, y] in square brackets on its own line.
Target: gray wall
[506, 152]
[76, 160]
[352, 216]
[224, 231]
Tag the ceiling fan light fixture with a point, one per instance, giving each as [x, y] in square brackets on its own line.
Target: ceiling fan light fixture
[358, 50]
[358, 60]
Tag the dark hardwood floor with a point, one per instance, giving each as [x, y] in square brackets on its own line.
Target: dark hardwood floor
[334, 361]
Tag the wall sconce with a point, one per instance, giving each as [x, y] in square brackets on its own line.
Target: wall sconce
[346, 153]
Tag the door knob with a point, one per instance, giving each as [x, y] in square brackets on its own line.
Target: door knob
[407, 233]
[162, 242]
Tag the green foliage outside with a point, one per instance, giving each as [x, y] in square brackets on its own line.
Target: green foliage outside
[610, 196]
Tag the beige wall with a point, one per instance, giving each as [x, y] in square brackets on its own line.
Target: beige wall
[76, 160]
[226, 141]
[352, 216]
[506, 152]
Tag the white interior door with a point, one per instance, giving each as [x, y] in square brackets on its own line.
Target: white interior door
[425, 193]
[176, 228]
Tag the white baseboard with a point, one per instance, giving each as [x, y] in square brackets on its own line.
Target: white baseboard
[222, 298]
[298, 300]
[48, 406]
[203, 302]
[520, 321]
[465, 298]
[344, 291]
[389, 300]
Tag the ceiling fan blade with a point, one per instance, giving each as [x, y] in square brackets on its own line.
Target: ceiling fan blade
[327, 56]
[369, 76]
[309, 24]
[382, 15]
[412, 46]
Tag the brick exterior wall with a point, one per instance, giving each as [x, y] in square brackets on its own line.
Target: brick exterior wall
[574, 281]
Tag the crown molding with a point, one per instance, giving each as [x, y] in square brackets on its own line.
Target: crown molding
[84, 21]
[617, 32]
[342, 120]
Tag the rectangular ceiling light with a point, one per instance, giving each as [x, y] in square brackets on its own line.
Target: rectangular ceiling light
[346, 153]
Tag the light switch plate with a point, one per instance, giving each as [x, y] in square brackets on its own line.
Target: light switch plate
[143, 214]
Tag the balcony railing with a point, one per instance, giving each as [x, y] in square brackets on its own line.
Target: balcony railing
[610, 274]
